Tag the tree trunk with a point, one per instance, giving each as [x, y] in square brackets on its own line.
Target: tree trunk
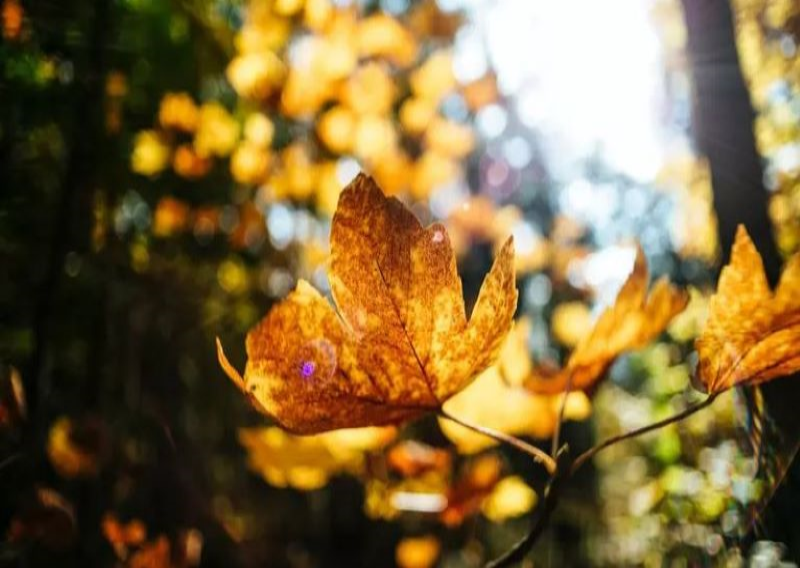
[723, 129]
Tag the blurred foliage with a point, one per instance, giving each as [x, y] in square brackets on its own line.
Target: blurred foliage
[169, 171]
[768, 38]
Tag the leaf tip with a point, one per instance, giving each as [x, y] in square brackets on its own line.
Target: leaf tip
[229, 369]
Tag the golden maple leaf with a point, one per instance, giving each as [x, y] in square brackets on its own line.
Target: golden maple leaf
[752, 334]
[634, 320]
[401, 345]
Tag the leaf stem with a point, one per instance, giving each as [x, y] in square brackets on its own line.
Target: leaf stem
[538, 455]
[560, 421]
[591, 452]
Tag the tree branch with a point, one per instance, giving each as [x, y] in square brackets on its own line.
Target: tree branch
[590, 453]
[538, 455]
[552, 492]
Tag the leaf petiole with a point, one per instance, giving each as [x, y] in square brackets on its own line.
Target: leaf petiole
[540, 456]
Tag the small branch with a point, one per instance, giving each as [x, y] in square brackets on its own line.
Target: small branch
[538, 455]
[560, 422]
[590, 453]
[552, 493]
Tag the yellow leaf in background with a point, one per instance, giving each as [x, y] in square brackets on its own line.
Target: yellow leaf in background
[752, 334]
[333, 59]
[571, 321]
[401, 343]
[287, 8]
[490, 402]
[417, 552]
[416, 114]
[150, 154]
[392, 171]
[264, 34]
[308, 462]
[256, 75]
[450, 138]
[381, 35]
[370, 90]
[375, 138]
[178, 111]
[510, 498]
[304, 94]
[512, 409]
[634, 320]
[249, 163]
[328, 188]
[217, 133]
[259, 130]
[430, 172]
[317, 14]
[434, 78]
[296, 179]
[336, 129]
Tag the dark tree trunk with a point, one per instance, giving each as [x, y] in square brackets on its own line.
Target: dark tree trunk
[723, 128]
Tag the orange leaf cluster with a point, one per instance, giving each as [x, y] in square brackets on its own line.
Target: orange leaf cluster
[403, 344]
[634, 320]
[752, 334]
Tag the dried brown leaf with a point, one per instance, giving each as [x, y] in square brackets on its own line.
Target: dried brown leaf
[401, 344]
[634, 320]
[752, 334]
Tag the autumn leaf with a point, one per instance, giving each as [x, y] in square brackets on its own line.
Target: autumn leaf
[752, 334]
[510, 498]
[401, 344]
[634, 320]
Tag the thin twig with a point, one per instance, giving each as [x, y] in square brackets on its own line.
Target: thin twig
[590, 453]
[560, 421]
[538, 455]
[543, 513]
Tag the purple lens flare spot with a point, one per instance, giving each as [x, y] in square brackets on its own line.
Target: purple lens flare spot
[316, 362]
[307, 369]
